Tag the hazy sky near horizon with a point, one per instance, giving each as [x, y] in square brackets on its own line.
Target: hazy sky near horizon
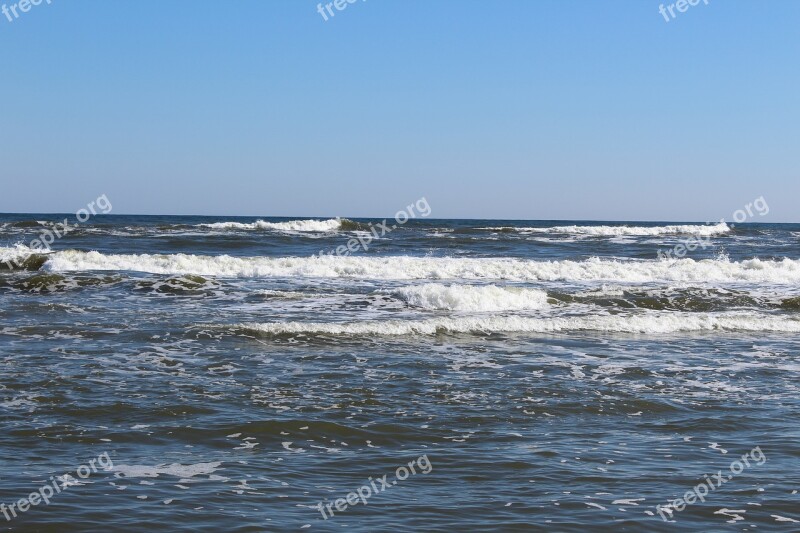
[515, 109]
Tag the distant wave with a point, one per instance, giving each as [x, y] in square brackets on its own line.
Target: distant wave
[646, 323]
[472, 298]
[618, 231]
[28, 224]
[436, 268]
[292, 225]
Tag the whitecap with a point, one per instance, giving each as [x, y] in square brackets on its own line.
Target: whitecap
[644, 323]
[618, 231]
[292, 225]
[472, 298]
[785, 271]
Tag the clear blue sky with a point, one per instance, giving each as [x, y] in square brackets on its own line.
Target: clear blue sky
[528, 109]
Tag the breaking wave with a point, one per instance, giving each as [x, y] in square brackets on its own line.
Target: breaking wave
[472, 298]
[649, 323]
[26, 224]
[618, 231]
[21, 257]
[333, 224]
[437, 268]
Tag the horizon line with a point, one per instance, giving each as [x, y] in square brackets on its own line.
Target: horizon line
[317, 217]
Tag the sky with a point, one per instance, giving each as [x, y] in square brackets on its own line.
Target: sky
[503, 109]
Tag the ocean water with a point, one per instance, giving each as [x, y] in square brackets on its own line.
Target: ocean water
[537, 375]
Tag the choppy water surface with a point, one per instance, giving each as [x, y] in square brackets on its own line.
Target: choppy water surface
[557, 376]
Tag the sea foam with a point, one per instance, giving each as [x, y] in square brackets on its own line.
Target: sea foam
[16, 252]
[644, 323]
[437, 268]
[292, 225]
[617, 231]
[472, 298]
[21, 256]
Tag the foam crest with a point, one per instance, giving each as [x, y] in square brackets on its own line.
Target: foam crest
[292, 225]
[619, 231]
[16, 252]
[437, 268]
[644, 324]
[22, 257]
[472, 298]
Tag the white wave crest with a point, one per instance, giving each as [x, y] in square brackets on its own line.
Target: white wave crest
[292, 225]
[651, 323]
[619, 231]
[472, 298]
[18, 252]
[437, 268]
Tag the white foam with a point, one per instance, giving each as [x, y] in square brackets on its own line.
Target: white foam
[471, 297]
[290, 295]
[175, 469]
[437, 268]
[616, 231]
[645, 323]
[604, 291]
[292, 225]
[18, 252]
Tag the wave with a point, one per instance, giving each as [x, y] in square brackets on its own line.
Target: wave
[333, 224]
[43, 284]
[650, 323]
[47, 283]
[21, 257]
[437, 268]
[187, 285]
[472, 298]
[684, 298]
[29, 224]
[619, 231]
[792, 304]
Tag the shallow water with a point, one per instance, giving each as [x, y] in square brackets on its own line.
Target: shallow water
[558, 376]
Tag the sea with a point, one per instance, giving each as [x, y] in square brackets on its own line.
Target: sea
[189, 373]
